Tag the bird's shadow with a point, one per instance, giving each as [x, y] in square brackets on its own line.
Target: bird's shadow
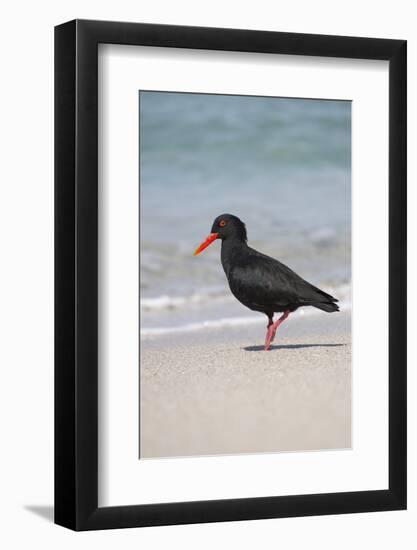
[292, 346]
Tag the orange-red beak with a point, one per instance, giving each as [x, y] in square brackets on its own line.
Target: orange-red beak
[212, 237]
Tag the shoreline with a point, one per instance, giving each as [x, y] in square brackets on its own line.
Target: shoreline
[250, 328]
[216, 391]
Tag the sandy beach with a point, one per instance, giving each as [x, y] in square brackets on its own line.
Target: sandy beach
[216, 391]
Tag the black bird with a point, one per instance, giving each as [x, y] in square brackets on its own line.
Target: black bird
[260, 282]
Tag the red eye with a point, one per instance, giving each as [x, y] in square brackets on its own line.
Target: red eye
[222, 223]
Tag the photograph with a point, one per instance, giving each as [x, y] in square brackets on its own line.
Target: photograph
[245, 274]
[208, 335]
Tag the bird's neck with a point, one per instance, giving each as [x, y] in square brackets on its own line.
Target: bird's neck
[231, 250]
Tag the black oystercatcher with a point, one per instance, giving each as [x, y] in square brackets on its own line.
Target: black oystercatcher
[260, 282]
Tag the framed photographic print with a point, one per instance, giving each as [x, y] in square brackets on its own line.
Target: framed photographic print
[230, 252]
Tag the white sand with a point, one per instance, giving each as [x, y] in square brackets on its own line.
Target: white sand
[218, 392]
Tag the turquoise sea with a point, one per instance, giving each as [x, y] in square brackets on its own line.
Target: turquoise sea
[282, 165]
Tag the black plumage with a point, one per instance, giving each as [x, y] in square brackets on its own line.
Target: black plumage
[260, 282]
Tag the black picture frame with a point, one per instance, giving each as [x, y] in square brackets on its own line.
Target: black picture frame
[76, 272]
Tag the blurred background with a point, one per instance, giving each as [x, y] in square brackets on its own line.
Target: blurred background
[281, 165]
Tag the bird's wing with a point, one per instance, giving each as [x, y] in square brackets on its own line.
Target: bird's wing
[265, 281]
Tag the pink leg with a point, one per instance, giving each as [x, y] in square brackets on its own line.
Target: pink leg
[269, 332]
[272, 329]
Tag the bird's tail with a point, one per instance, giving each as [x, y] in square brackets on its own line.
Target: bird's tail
[324, 301]
[313, 296]
[330, 307]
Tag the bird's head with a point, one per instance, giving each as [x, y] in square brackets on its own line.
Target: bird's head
[225, 226]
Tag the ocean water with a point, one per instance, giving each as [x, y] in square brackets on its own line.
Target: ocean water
[282, 165]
